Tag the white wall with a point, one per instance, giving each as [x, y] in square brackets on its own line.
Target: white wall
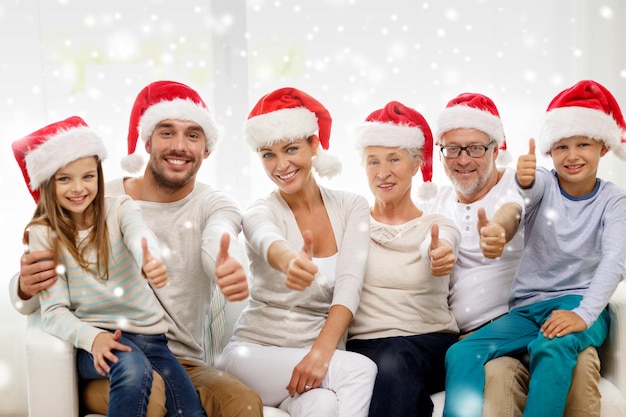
[69, 57]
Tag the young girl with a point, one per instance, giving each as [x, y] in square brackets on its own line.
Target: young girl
[100, 302]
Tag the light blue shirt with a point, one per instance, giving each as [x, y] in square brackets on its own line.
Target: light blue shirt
[573, 245]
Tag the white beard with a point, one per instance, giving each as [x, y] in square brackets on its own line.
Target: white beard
[475, 186]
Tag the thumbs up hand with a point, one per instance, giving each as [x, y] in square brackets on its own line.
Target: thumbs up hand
[526, 165]
[230, 275]
[154, 269]
[301, 270]
[492, 236]
[441, 256]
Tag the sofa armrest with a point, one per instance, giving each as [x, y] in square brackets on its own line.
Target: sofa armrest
[52, 382]
[613, 350]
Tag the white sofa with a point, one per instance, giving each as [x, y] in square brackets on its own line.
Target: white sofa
[52, 381]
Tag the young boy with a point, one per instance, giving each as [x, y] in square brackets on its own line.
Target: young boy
[573, 258]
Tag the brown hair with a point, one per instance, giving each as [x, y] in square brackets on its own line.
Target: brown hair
[63, 231]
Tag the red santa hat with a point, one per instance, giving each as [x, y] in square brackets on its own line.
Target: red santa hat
[399, 126]
[163, 100]
[291, 114]
[474, 111]
[585, 109]
[41, 153]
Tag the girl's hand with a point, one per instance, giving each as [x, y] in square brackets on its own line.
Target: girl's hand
[154, 269]
[441, 255]
[102, 350]
[561, 323]
[309, 372]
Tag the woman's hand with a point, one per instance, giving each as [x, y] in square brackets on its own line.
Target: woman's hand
[301, 270]
[309, 372]
[442, 257]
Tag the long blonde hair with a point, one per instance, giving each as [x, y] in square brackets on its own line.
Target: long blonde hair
[64, 233]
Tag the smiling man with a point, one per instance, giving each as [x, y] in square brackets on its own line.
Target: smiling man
[487, 207]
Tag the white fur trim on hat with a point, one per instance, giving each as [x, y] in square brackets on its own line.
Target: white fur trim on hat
[285, 124]
[389, 135]
[565, 122]
[179, 109]
[59, 150]
[465, 117]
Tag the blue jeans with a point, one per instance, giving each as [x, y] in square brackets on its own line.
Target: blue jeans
[551, 360]
[131, 378]
[410, 369]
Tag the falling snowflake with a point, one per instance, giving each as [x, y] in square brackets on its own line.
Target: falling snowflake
[60, 269]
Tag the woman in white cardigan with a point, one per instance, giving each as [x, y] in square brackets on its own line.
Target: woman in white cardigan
[308, 247]
[404, 323]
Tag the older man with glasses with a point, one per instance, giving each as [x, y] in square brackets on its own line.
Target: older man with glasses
[485, 204]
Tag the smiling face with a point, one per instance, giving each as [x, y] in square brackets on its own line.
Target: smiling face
[390, 173]
[76, 187]
[288, 163]
[576, 161]
[472, 178]
[176, 149]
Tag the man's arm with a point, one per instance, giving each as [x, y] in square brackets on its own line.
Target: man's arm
[508, 217]
[22, 306]
[221, 250]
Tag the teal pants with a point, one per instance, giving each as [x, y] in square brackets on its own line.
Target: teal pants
[551, 360]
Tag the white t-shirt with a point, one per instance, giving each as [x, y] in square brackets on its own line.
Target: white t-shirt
[480, 287]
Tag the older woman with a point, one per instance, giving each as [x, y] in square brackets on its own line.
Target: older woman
[403, 322]
[307, 247]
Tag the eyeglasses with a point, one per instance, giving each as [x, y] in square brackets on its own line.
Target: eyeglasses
[473, 151]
